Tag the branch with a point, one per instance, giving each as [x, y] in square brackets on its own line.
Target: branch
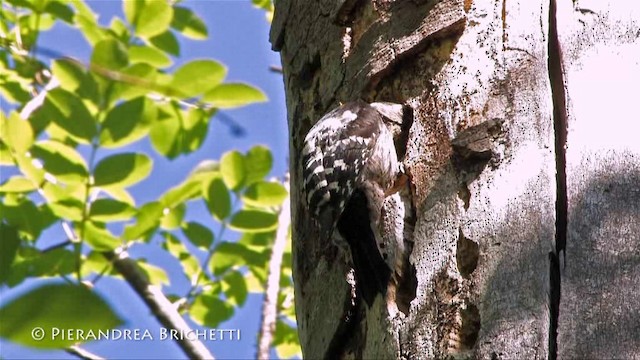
[158, 303]
[82, 353]
[38, 100]
[270, 304]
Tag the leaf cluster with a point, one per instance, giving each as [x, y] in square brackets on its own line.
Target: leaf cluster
[66, 139]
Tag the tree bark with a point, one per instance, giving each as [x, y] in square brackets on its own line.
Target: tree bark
[504, 181]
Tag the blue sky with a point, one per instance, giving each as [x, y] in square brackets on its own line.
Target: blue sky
[238, 37]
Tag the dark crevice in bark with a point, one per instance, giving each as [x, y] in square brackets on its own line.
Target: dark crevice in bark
[556, 78]
[467, 255]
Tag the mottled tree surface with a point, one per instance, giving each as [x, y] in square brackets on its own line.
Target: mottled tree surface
[522, 150]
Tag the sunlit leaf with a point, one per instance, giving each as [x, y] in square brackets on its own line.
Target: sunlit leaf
[208, 310]
[218, 199]
[235, 287]
[253, 221]
[166, 42]
[149, 55]
[189, 264]
[198, 235]
[232, 95]
[17, 184]
[109, 54]
[72, 115]
[128, 122]
[232, 168]
[154, 18]
[286, 341]
[197, 77]
[264, 194]
[154, 274]
[173, 217]
[16, 132]
[188, 23]
[122, 170]
[59, 10]
[99, 237]
[111, 210]
[68, 209]
[165, 133]
[228, 255]
[147, 220]
[60, 160]
[187, 190]
[62, 305]
[258, 163]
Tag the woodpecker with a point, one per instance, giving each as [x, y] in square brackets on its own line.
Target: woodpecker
[351, 173]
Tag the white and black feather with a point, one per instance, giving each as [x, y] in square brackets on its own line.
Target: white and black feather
[346, 148]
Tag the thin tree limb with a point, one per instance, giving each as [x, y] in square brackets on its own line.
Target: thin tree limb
[160, 306]
[82, 353]
[270, 303]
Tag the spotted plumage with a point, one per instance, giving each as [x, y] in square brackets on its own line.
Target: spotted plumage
[351, 151]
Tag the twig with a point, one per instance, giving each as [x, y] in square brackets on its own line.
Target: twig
[270, 303]
[159, 305]
[82, 353]
[37, 101]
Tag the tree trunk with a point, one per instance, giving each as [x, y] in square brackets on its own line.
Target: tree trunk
[508, 172]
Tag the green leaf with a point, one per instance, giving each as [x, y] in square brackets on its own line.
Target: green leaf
[107, 210]
[258, 162]
[173, 216]
[165, 133]
[189, 264]
[59, 10]
[153, 19]
[149, 55]
[195, 129]
[16, 133]
[109, 54]
[154, 274]
[89, 27]
[68, 209]
[17, 184]
[140, 80]
[128, 122]
[218, 199]
[62, 161]
[166, 42]
[232, 95]
[122, 170]
[148, 219]
[210, 311]
[253, 221]
[9, 243]
[72, 115]
[188, 23]
[132, 10]
[187, 190]
[75, 79]
[197, 77]
[235, 288]
[69, 73]
[99, 237]
[198, 235]
[264, 194]
[286, 341]
[232, 168]
[233, 255]
[61, 309]
[29, 219]
[30, 262]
